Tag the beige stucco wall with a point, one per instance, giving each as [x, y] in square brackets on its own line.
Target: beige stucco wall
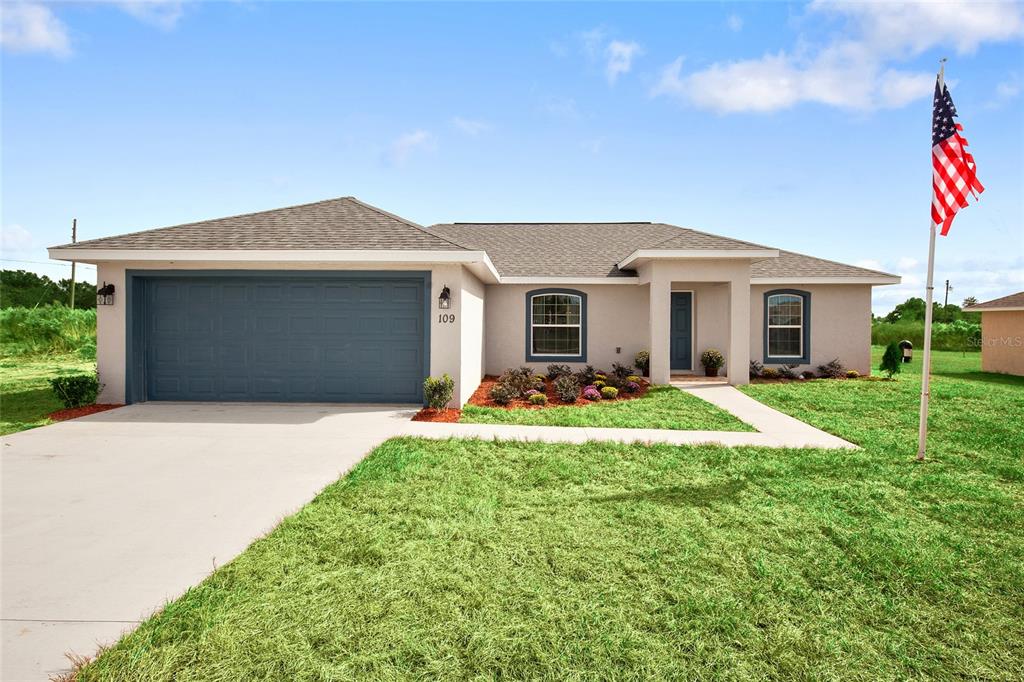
[840, 324]
[446, 340]
[470, 303]
[616, 318]
[1002, 337]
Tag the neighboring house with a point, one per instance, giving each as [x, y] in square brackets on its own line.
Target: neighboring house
[1002, 334]
[339, 301]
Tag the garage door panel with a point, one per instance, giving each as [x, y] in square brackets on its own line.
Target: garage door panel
[331, 339]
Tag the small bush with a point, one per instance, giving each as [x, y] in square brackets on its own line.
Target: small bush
[852, 374]
[808, 374]
[555, 371]
[892, 360]
[531, 393]
[437, 393]
[503, 394]
[832, 370]
[755, 369]
[586, 376]
[76, 390]
[591, 393]
[621, 372]
[634, 378]
[519, 380]
[538, 399]
[712, 359]
[601, 374]
[786, 371]
[631, 387]
[609, 393]
[642, 362]
[567, 388]
[600, 383]
[769, 373]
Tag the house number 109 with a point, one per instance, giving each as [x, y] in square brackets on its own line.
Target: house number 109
[446, 318]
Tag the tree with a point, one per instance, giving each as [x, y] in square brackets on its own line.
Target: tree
[23, 289]
[911, 309]
[969, 301]
[892, 360]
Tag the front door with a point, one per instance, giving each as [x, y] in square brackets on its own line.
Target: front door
[681, 349]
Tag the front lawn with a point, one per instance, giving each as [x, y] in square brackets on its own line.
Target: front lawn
[25, 394]
[663, 407]
[469, 559]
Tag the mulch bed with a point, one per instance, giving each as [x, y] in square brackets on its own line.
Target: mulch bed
[481, 398]
[76, 412]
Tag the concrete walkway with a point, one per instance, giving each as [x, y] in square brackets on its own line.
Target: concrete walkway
[107, 517]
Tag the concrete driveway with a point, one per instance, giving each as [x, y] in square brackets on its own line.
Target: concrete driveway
[107, 517]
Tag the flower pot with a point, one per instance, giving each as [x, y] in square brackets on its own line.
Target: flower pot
[711, 371]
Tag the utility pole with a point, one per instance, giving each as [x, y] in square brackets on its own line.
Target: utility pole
[74, 238]
[945, 301]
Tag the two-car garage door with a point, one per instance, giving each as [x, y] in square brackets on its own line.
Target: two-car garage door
[283, 338]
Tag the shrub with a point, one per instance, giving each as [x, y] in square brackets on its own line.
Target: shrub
[634, 378]
[833, 369]
[567, 388]
[531, 393]
[631, 387]
[852, 374]
[538, 399]
[609, 393]
[601, 374]
[959, 335]
[591, 393]
[599, 384]
[621, 372]
[503, 394]
[76, 390]
[555, 371]
[538, 383]
[586, 375]
[769, 373]
[786, 371]
[519, 380]
[712, 359]
[807, 374]
[437, 393]
[642, 361]
[891, 360]
[46, 329]
[755, 369]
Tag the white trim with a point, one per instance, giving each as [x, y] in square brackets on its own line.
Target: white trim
[769, 326]
[570, 280]
[697, 253]
[578, 325]
[870, 279]
[83, 255]
[1001, 309]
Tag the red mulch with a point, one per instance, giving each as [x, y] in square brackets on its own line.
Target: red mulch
[76, 412]
[481, 397]
[429, 414]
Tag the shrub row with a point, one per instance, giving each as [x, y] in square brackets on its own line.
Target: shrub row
[960, 335]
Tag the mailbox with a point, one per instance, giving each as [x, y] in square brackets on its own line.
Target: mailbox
[908, 350]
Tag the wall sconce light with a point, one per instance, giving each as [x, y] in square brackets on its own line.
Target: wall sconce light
[444, 301]
[105, 294]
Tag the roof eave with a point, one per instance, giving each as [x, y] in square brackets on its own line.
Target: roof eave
[995, 309]
[879, 280]
[681, 254]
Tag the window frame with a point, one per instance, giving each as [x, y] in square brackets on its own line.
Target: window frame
[544, 357]
[805, 328]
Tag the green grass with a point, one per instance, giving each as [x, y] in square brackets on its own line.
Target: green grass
[25, 394]
[498, 560]
[663, 407]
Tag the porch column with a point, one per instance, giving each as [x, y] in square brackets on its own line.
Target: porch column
[660, 297]
[738, 361]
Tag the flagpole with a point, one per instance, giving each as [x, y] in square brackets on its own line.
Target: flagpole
[926, 362]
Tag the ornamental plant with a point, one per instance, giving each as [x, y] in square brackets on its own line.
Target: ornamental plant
[519, 380]
[437, 393]
[538, 399]
[620, 371]
[852, 374]
[567, 388]
[503, 394]
[712, 359]
[76, 390]
[555, 371]
[631, 387]
[609, 393]
[891, 360]
[634, 378]
[600, 383]
[832, 370]
[769, 373]
[591, 393]
[642, 361]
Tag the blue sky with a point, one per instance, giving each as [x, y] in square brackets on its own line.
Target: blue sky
[803, 126]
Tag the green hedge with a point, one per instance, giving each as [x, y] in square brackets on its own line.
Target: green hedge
[960, 335]
[51, 329]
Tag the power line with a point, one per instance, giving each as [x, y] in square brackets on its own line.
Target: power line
[41, 262]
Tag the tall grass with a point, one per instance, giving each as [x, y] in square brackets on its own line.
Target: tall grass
[47, 330]
[959, 336]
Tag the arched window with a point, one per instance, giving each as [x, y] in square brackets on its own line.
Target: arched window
[556, 325]
[787, 327]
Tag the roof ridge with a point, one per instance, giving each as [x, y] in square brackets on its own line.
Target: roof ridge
[210, 220]
[836, 262]
[707, 234]
[556, 222]
[405, 221]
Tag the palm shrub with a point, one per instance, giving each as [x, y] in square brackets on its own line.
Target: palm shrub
[567, 388]
[437, 393]
[891, 360]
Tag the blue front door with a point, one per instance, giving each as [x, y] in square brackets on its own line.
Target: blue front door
[681, 348]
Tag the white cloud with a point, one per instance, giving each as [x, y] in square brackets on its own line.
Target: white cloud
[15, 238]
[1005, 91]
[869, 263]
[164, 14]
[620, 58]
[848, 72]
[471, 127]
[560, 107]
[594, 146]
[32, 27]
[983, 278]
[734, 22]
[403, 147]
[906, 263]
[592, 41]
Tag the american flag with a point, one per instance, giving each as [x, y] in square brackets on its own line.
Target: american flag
[953, 169]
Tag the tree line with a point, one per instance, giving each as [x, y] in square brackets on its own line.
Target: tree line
[23, 289]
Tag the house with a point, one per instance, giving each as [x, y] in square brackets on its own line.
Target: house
[1002, 334]
[339, 301]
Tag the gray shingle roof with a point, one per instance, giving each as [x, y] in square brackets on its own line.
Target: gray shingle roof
[345, 223]
[1011, 301]
[790, 264]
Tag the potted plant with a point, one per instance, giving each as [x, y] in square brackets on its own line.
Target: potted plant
[712, 361]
